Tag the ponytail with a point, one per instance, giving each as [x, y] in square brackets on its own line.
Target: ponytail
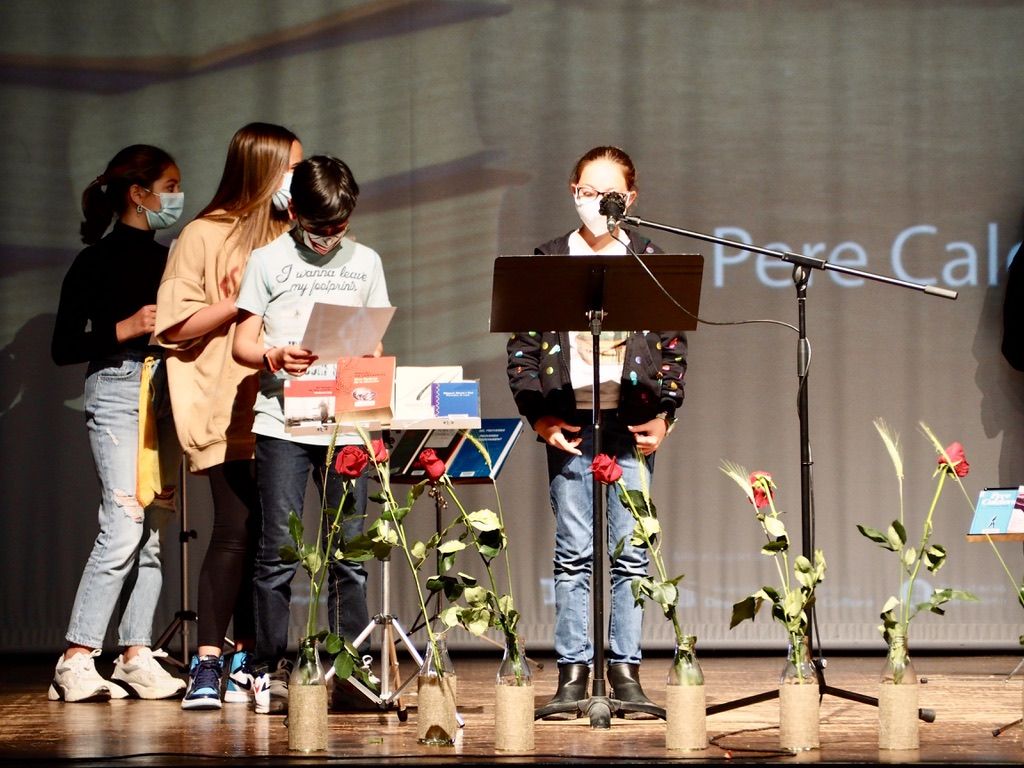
[97, 210]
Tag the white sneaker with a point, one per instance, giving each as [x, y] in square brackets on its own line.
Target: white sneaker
[143, 677]
[261, 693]
[76, 679]
[238, 686]
[271, 690]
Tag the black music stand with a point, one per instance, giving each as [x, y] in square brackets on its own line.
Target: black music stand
[603, 293]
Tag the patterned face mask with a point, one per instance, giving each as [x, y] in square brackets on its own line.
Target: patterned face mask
[323, 244]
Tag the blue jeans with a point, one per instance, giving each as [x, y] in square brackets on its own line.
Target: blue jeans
[124, 568]
[571, 488]
[282, 473]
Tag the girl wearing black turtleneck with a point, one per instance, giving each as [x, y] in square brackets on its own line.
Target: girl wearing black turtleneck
[106, 317]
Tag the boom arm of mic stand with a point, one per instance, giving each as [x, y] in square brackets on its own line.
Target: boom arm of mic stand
[793, 258]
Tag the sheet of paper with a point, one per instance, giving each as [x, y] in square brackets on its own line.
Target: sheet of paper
[335, 331]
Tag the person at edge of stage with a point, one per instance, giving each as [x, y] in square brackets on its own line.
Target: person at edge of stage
[105, 317]
[317, 261]
[551, 377]
[212, 396]
[1012, 341]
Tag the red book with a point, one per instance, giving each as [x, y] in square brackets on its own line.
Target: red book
[364, 390]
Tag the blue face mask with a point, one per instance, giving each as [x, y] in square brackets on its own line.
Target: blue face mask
[171, 206]
[283, 196]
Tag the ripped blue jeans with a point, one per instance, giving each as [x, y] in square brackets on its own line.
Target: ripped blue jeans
[124, 570]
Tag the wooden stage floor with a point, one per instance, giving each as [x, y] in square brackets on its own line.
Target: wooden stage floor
[972, 697]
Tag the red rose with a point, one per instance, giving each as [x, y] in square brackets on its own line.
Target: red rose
[433, 465]
[351, 461]
[606, 469]
[762, 484]
[959, 465]
[380, 451]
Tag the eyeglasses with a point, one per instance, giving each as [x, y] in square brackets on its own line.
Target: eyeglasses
[585, 193]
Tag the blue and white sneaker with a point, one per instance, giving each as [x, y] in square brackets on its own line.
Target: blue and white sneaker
[238, 688]
[203, 690]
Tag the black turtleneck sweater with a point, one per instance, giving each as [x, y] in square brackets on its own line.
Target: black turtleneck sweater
[107, 282]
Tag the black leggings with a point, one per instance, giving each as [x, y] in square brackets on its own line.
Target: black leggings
[225, 580]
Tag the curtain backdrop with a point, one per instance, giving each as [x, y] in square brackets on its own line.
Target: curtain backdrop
[880, 136]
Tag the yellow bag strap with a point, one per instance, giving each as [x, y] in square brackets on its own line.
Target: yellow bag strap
[147, 483]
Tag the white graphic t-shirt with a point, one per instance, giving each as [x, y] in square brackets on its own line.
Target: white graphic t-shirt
[281, 283]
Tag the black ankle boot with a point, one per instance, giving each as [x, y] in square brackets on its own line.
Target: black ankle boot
[572, 687]
[624, 680]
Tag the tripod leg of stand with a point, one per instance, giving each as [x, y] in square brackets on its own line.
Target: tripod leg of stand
[180, 622]
[183, 616]
[391, 670]
[999, 731]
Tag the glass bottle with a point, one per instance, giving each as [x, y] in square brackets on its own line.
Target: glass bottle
[514, 668]
[799, 699]
[685, 702]
[513, 701]
[898, 666]
[436, 716]
[307, 670]
[898, 696]
[686, 669]
[436, 661]
[799, 668]
[307, 700]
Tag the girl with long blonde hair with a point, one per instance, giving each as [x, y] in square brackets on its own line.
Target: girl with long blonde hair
[212, 396]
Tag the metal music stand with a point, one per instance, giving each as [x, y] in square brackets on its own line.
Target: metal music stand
[389, 625]
[388, 698]
[602, 293]
[184, 615]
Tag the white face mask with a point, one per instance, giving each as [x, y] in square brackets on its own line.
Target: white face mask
[283, 196]
[591, 217]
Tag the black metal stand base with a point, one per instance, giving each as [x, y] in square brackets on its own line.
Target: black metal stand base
[599, 708]
[927, 715]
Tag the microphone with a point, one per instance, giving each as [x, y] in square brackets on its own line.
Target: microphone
[612, 205]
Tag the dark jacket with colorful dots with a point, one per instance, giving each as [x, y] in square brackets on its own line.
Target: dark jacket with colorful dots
[652, 375]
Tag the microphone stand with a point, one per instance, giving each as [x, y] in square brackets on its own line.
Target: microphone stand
[801, 277]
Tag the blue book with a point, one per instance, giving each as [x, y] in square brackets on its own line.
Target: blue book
[999, 513]
[496, 437]
[456, 398]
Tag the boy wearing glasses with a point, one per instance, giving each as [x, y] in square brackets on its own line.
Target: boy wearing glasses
[313, 262]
